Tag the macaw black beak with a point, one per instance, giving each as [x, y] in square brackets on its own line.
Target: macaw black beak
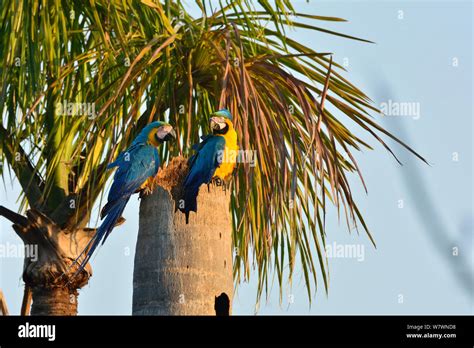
[171, 135]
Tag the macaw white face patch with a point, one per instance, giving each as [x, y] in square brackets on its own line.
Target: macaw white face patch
[217, 123]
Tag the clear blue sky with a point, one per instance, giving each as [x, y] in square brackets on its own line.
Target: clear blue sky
[411, 62]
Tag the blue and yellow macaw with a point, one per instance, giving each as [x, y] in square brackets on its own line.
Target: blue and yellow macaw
[215, 158]
[136, 168]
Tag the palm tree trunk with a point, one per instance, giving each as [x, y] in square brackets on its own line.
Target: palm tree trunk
[50, 251]
[54, 301]
[183, 269]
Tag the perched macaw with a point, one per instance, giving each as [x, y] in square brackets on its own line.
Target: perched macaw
[215, 158]
[136, 167]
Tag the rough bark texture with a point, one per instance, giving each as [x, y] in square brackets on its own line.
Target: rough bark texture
[54, 301]
[181, 269]
[48, 271]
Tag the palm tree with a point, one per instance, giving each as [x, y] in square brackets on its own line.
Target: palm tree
[58, 156]
[76, 78]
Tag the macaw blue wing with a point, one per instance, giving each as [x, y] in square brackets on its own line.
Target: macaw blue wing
[135, 166]
[202, 167]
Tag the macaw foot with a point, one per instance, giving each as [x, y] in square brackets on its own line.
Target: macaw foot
[145, 191]
[147, 187]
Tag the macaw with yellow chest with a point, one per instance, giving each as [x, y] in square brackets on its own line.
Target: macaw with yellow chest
[136, 168]
[215, 159]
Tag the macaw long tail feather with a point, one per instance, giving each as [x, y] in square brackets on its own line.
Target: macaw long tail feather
[113, 215]
[190, 201]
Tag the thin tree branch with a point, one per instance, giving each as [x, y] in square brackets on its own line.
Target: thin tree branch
[26, 302]
[3, 304]
[13, 217]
